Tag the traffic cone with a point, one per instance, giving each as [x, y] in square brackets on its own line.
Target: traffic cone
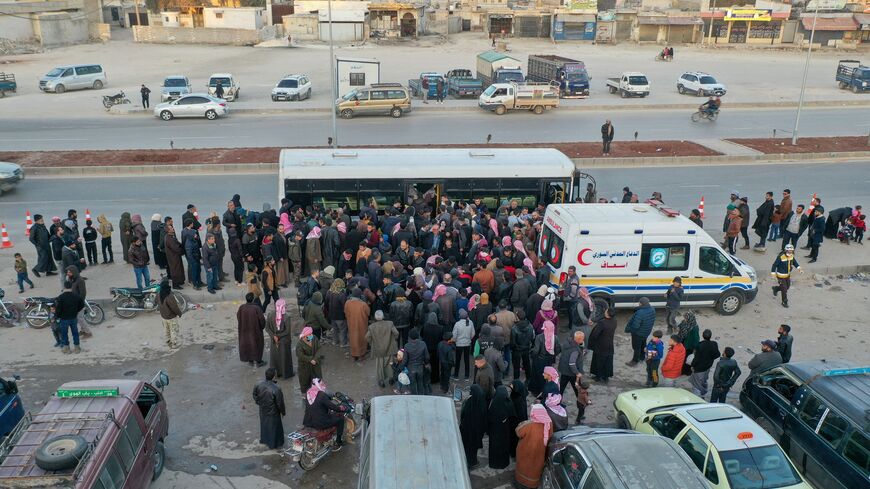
[87, 214]
[29, 224]
[6, 242]
[701, 207]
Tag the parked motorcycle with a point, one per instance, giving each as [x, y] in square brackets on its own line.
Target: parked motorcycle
[38, 312]
[117, 99]
[309, 446]
[703, 114]
[9, 313]
[130, 300]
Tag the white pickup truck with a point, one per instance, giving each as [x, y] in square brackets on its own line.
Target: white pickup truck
[630, 84]
[536, 97]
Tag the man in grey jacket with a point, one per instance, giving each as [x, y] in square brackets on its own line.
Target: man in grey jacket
[571, 362]
[768, 358]
[382, 336]
[494, 356]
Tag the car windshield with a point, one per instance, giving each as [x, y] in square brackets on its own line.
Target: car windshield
[637, 80]
[174, 82]
[55, 72]
[758, 468]
[511, 77]
[489, 91]
[288, 83]
[577, 77]
[708, 80]
[350, 95]
[225, 82]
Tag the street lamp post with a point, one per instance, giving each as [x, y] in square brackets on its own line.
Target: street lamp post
[332, 74]
[797, 119]
[712, 14]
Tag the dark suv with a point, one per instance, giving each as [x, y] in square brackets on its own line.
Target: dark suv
[819, 412]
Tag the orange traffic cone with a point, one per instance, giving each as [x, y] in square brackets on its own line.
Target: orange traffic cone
[29, 223]
[87, 214]
[6, 242]
[701, 207]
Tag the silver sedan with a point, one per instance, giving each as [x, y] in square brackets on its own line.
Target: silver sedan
[193, 105]
[10, 175]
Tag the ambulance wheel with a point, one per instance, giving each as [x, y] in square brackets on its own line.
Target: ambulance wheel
[729, 303]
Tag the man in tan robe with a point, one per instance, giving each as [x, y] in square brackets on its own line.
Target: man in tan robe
[356, 312]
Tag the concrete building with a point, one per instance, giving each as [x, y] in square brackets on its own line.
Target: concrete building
[50, 23]
[252, 18]
[397, 19]
[123, 13]
[310, 21]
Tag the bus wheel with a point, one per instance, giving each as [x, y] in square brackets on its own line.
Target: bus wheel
[729, 303]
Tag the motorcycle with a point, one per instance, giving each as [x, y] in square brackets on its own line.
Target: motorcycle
[703, 114]
[38, 312]
[129, 300]
[117, 99]
[309, 446]
[9, 313]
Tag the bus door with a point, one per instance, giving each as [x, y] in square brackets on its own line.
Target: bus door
[556, 191]
[421, 194]
[581, 186]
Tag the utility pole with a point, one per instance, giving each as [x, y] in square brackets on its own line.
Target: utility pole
[797, 120]
[712, 19]
[334, 80]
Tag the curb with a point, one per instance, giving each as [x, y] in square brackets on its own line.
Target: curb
[591, 108]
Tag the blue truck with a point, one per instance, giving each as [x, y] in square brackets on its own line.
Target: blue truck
[570, 74]
[461, 83]
[431, 78]
[7, 84]
[852, 75]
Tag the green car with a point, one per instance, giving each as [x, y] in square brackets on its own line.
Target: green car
[727, 446]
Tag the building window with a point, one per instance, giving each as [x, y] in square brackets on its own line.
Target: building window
[357, 79]
[218, 15]
[765, 30]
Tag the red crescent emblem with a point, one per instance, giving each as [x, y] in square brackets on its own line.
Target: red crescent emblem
[580, 257]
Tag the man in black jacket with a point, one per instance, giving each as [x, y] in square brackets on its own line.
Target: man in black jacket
[784, 342]
[522, 337]
[726, 374]
[66, 309]
[417, 356]
[706, 353]
[41, 241]
[763, 217]
[323, 413]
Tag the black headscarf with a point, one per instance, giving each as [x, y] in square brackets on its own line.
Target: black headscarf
[165, 289]
[501, 407]
[472, 418]
[519, 392]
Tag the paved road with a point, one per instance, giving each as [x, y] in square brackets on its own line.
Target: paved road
[244, 130]
[837, 183]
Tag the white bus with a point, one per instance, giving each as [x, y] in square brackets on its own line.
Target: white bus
[354, 177]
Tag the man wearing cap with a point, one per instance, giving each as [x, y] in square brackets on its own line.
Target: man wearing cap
[817, 233]
[768, 358]
[781, 271]
[40, 238]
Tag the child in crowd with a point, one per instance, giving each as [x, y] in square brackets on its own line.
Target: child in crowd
[655, 350]
[582, 399]
[21, 271]
[860, 223]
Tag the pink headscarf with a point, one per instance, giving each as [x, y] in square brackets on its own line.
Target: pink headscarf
[538, 414]
[440, 290]
[306, 331]
[280, 308]
[547, 305]
[342, 228]
[506, 241]
[553, 373]
[528, 262]
[554, 402]
[285, 221]
[314, 233]
[549, 336]
[518, 245]
[493, 224]
[317, 385]
[472, 303]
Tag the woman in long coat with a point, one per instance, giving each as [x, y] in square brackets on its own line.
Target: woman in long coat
[125, 226]
[532, 448]
[472, 424]
[544, 352]
[282, 265]
[601, 344]
[356, 313]
[156, 232]
[518, 393]
[174, 252]
[139, 230]
[280, 348]
[309, 357]
[500, 411]
[313, 252]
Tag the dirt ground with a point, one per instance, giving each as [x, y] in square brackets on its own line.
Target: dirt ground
[47, 159]
[807, 145]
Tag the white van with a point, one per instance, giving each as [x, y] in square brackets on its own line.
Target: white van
[73, 77]
[623, 252]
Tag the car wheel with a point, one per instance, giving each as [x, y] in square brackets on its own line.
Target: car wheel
[61, 452]
[680, 89]
[308, 94]
[59, 89]
[539, 109]
[729, 303]
[158, 460]
[166, 115]
[2, 93]
[699, 93]
[622, 422]
[211, 115]
[347, 114]
[98, 85]
[855, 89]
[396, 112]
[842, 85]
[500, 110]
[623, 94]
[274, 98]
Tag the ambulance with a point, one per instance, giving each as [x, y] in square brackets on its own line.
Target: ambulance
[623, 252]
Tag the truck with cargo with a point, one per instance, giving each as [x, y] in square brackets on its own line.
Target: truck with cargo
[7, 84]
[495, 67]
[570, 74]
[461, 82]
[629, 84]
[536, 97]
[852, 75]
[416, 85]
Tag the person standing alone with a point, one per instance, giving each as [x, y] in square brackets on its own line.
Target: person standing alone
[269, 398]
[606, 137]
[781, 271]
[146, 94]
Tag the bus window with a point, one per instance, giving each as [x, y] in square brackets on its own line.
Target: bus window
[458, 190]
[526, 191]
[384, 192]
[556, 192]
[330, 194]
[422, 195]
